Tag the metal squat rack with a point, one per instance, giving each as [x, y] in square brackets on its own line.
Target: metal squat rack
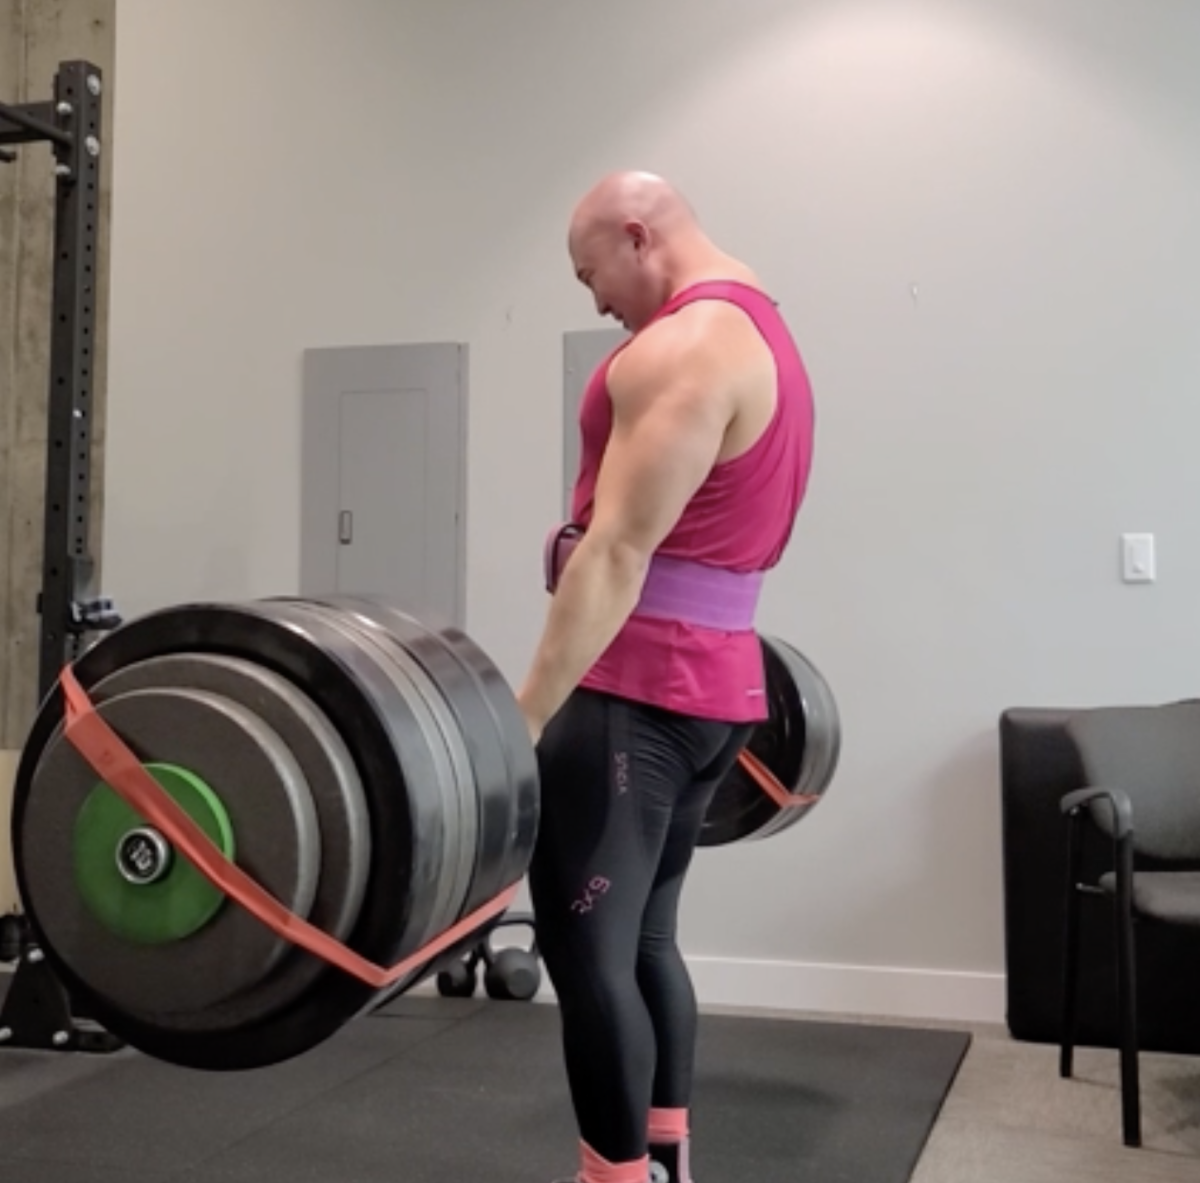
[37, 1011]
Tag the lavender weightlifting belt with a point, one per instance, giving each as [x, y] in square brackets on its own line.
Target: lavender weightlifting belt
[675, 589]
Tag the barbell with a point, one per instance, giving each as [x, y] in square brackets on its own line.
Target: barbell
[237, 827]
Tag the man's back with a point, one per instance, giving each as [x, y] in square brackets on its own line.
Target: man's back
[740, 519]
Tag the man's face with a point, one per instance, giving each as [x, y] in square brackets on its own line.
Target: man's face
[615, 265]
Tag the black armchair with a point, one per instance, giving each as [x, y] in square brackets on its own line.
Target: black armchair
[1142, 771]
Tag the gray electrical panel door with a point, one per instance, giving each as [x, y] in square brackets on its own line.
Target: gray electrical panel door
[583, 351]
[383, 487]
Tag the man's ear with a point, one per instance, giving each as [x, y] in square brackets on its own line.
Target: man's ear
[637, 234]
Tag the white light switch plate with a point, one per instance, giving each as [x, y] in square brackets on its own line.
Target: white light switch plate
[1138, 563]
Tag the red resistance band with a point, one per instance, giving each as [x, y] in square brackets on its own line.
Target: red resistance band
[103, 749]
[769, 783]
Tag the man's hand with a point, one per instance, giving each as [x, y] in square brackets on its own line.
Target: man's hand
[671, 409]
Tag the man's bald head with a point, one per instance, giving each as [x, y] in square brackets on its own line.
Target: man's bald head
[639, 197]
[627, 236]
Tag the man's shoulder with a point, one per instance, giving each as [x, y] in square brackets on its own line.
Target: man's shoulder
[668, 354]
[692, 334]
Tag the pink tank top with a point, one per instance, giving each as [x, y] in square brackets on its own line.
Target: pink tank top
[740, 519]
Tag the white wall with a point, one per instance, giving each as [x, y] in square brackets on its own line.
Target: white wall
[293, 173]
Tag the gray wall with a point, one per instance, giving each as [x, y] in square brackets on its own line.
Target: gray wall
[979, 216]
[35, 36]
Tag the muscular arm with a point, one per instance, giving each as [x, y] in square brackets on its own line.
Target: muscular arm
[670, 414]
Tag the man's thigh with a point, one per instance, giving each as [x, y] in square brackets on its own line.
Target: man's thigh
[613, 774]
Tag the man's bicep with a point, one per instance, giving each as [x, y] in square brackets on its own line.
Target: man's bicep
[661, 450]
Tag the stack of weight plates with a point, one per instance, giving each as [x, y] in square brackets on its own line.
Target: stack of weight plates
[800, 743]
[374, 776]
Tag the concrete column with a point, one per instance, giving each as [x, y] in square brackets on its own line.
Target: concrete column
[35, 36]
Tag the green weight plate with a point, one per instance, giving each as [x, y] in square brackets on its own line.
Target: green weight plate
[273, 819]
[127, 874]
[330, 772]
[800, 743]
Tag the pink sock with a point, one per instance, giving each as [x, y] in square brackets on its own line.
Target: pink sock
[668, 1126]
[669, 1150]
[596, 1169]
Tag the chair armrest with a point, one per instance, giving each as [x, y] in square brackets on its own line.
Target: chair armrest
[1122, 807]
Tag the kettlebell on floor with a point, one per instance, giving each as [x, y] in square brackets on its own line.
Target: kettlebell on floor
[511, 974]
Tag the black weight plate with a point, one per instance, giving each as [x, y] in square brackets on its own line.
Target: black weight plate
[311, 656]
[502, 755]
[423, 745]
[338, 796]
[275, 833]
[463, 822]
[799, 743]
[822, 736]
[522, 790]
[488, 720]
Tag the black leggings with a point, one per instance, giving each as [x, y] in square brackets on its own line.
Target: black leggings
[624, 791]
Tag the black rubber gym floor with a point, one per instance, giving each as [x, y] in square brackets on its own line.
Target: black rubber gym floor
[444, 1091]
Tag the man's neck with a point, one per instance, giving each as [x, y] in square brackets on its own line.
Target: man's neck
[708, 265]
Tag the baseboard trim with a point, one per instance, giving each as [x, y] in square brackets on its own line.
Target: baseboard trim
[838, 990]
[850, 990]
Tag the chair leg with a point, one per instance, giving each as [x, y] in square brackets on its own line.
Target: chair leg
[1131, 1118]
[1070, 981]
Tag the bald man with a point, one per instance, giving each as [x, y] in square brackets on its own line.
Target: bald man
[696, 443]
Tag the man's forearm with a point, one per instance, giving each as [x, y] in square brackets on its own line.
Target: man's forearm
[598, 590]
